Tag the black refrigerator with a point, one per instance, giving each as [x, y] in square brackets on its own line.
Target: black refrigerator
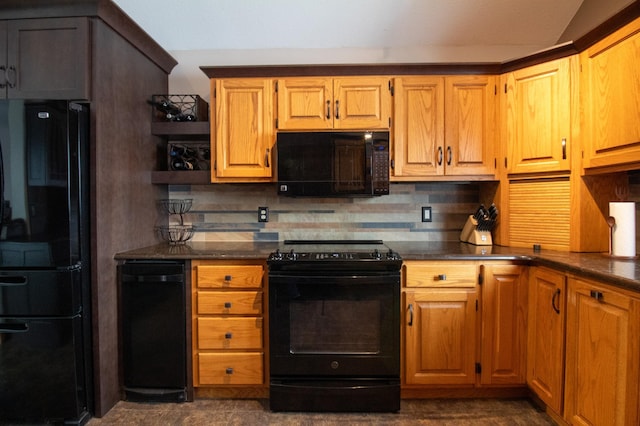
[45, 318]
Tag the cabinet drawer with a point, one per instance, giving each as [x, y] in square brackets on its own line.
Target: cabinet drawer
[230, 368]
[229, 276]
[440, 274]
[229, 302]
[229, 333]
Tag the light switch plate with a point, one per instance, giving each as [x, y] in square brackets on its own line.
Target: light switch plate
[426, 214]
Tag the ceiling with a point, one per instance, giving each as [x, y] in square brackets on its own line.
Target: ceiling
[506, 28]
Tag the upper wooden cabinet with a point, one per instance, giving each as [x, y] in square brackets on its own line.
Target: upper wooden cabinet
[242, 129]
[537, 117]
[444, 126]
[319, 103]
[610, 83]
[45, 58]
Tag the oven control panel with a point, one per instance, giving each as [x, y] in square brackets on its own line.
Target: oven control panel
[294, 256]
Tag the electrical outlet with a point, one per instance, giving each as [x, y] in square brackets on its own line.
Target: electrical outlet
[426, 214]
[263, 214]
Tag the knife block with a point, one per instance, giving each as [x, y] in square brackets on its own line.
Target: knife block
[471, 235]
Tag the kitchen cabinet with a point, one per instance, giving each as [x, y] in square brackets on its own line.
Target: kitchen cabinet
[546, 333]
[319, 103]
[444, 126]
[504, 324]
[610, 82]
[442, 319]
[603, 355]
[537, 116]
[228, 338]
[45, 58]
[242, 130]
[440, 323]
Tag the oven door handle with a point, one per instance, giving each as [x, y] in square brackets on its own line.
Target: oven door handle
[410, 314]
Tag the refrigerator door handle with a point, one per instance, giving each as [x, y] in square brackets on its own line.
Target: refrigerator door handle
[14, 328]
[13, 280]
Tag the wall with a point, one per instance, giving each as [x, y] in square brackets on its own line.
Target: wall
[634, 195]
[229, 212]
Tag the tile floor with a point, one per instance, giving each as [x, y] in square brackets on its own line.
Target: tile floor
[202, 412]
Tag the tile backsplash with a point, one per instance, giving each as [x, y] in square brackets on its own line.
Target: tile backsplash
[229, 212]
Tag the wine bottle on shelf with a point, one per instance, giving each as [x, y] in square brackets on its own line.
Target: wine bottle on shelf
[171, 110]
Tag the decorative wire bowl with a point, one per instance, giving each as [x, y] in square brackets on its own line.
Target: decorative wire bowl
[177, 206]
[175, 234]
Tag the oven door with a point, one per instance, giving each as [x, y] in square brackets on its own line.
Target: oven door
[334, 326]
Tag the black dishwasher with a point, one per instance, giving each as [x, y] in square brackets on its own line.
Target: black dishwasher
[153, 330]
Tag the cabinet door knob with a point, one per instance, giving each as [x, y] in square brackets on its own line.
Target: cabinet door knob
[442, 277]
[229, 370]
[439, 156]
[449, 156]
[328, 109]
[338, 110]
[227, 305]
[228, 335]
[227, 277]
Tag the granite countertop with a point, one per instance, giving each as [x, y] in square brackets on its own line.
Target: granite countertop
[620, 272]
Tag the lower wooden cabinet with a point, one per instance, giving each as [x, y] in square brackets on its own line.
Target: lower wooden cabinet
[603, 355]
[228, 338]
[546, 331]
[230, 368]
[458, 331]
[504, 324]
[440, 322]
[440, 336]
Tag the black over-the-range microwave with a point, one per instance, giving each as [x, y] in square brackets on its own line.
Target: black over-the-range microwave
[333, 163]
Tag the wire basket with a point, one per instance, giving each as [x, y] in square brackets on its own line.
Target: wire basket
[175, 234]
[177, 206]
[189, 156]
[179, 108]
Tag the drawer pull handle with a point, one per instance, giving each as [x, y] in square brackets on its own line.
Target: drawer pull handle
[227, 277]
[228, 335]
[227, 305]
[598, 295]
[442, 277]
[229, 370]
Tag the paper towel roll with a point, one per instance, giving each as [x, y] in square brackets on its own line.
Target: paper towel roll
[624, 231]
